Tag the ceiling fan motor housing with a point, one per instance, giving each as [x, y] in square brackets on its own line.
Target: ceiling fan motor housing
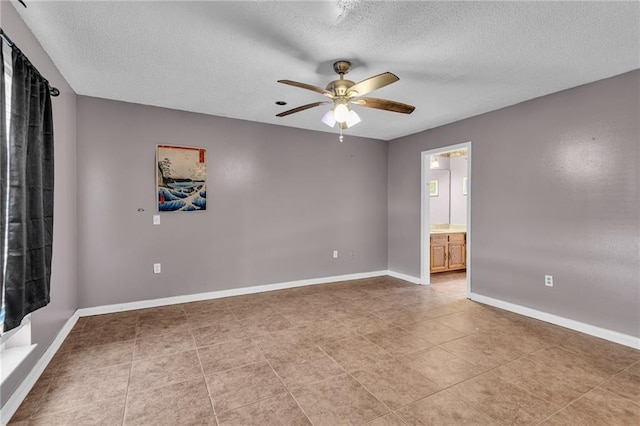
[340, 87]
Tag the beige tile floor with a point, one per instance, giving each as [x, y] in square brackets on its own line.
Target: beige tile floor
[374, 351]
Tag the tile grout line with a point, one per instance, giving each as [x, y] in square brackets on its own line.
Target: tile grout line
[204, 377]
[599, 387]
[446, 388]
[37, 405]
[565, 406]
[348, 373]
[282, 381]
[126, 393]
[371, 393]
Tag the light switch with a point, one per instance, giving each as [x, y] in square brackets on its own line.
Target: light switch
[156, 268]
[156, 219]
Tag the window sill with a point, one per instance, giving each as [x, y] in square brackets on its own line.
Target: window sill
[11, 358]
[15, 347]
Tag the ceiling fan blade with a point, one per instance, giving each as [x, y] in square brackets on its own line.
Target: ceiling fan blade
[384, 104]
[372, 83]
[308, 87]
[301, 108]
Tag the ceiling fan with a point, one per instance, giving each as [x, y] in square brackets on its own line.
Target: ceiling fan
[343, 92]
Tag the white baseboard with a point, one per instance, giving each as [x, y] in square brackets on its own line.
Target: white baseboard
[401, 276]
[603, 333]
[130, 306]
[12, 405]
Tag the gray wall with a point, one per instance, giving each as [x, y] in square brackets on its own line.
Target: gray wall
[572, 209]
[47, 322]
[279, 201]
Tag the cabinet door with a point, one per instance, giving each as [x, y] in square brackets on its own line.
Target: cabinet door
[438, 257]
[457, 255]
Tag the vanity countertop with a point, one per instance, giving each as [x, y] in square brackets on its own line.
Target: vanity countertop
[455, 230]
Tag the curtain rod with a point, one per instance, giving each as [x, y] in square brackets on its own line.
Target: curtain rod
[6, 39]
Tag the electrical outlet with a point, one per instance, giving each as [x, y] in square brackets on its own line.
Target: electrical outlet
[335, 254]
[157, 268]
[156, 219]
[548, 280]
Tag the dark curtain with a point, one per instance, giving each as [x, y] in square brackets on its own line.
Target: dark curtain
[29, 192]
[3, 165]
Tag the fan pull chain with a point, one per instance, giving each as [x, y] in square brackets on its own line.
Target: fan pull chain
[341, 139]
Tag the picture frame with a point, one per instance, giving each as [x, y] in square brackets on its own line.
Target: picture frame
[181, 178]
[433, 188]
[465, 187]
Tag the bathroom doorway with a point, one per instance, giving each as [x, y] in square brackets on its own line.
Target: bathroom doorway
[445, 258]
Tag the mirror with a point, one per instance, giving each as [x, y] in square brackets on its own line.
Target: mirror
[448, 203]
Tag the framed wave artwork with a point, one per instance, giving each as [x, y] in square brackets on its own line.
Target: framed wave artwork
[181, 178]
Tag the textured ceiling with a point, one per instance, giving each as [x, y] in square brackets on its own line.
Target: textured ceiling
[454, 59]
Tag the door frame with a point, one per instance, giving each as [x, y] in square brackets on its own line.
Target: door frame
[425, 204]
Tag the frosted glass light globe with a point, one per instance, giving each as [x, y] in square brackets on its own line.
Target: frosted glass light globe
[341, 113]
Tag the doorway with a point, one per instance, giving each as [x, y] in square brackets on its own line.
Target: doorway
[438, 188]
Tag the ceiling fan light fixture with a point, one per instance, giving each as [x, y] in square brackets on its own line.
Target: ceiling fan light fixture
[342, 92]
[328, 119]
[352, 118]
[341, 113]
